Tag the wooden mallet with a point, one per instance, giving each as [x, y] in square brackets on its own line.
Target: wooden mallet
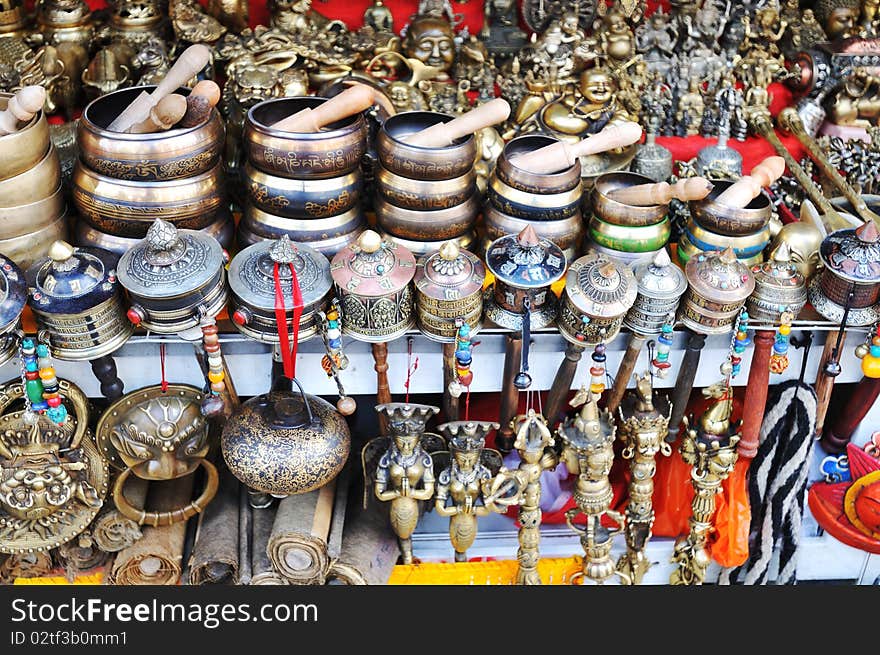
[442, 134]
[165, 115]
[743, 191]
[21, 108]
[647, 195]
[202, 99]
[353, 100]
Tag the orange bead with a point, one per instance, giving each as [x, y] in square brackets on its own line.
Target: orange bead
[47, 373]
[216, 376]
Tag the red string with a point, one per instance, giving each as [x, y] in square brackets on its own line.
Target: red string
[162, 366]
[410, 368]
[288, 350]
[467, 405]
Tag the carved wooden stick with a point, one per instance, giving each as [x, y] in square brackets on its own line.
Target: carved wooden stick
[647, 195]
[755, 400]
[560, 155]
[825, 383]
[859, 402]
[165, 115]
[743, 191]
[354, 99]
[561, 387]
[199, 103]
[450, 403]
[625, 372]
[21, 108]
[442, 134]
[504, 437]
[383, 391]
[684, 383]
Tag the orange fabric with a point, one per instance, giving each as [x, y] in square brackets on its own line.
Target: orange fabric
[729, 543]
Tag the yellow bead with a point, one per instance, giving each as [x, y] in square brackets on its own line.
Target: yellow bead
[785, 329]
[47, 373]
[332, 315]
[871, 367]
[597, 388]
[216, 376]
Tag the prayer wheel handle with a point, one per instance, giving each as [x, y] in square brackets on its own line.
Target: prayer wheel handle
[13, 391]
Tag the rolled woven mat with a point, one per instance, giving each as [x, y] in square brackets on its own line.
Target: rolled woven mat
[298, 543]
[215, 556]
[245, 521]
[262, 570]
[26, 565]
[111, 530]
[80, 555]
[156, 558]
[369, 549]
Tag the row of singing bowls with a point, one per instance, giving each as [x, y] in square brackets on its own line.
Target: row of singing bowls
[27, 249]
[221, 228]
[326, 235]
[24, 148]
[37, 183]
[298, 198]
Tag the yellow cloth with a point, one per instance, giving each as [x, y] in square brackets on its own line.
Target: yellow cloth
[555, 571]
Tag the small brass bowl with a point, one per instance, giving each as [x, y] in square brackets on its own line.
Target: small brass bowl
[25, 148]
[334, 151]
[630, 239]
[686, 250]
[427, 226]
[533, 206]
[421, 248]
[566, 233]
[35, 184]
[27, 249]
[523, 180]
[731, 221]
[153, 157]
[420, 162]
[424, 195]
[24, 219]
[618, 213]
[128, 208]
[302, 198]
[744, 246]
[326, 235]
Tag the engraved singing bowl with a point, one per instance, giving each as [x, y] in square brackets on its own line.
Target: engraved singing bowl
[151, 157]
[541, 183]
[643, 239]
[418, 225]
[24, 219]
[686, 250]
[424, 195]
[533, 206]
[128, 208]
[29, 248]
[419, 248]
[731, 221]
[326, 235]
[292, 198]
[423, 162]
[335, 150]
[24, 148]
[565, 233]
[620, 213]
[746, 246]
[37, 183]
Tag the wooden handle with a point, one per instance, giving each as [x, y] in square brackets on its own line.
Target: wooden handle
[561, 155]
[756, 393]
[354, 99]
[199, 103]
[189, 64]
[504, 437]
[625, 371]
[560, 390]
[21, 107]
[442, 134]
[647, 195]
[383, 391]
[684, 383]
[858, 403]
[741, 193]
[167, 112]
[450, 403]
[825, 383]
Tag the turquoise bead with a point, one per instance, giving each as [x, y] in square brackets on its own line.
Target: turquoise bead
[42, 350]
[57, 414]
[875, 351]
[30, 366]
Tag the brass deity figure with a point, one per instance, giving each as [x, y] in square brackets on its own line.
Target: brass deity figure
[588, 111]
[839, 18]
[431, 41]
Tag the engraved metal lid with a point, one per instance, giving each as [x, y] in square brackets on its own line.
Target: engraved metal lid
[373, 267]
[72, 280]
[252, 273]
[447, 269]
[779, 287]
[170, 262]
[525, 261]
[13, 293]
[597, 286]
[719, 276]
[659, 279]
[853, 254]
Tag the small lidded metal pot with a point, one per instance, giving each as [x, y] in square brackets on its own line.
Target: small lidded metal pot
[851, 277]
[373, 278]
[779, 288]
[660, 288]
[174, 277]
[718, 285]
[524, 266]
[75, 297]
[13, 296]
[598, 292]
[252, 285]
[449, 288]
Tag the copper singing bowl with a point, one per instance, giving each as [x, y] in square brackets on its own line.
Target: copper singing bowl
[334, 151]
[35, 184]
[420, 248]
[326, 235]
[534, 206]
[24, 219]
[302, 198]
[643, 239]
[128, 208]
[23, 149]
[619, 213]
[427, 226]
[424, 195]
[524, 180]
[422, 162]
[566, 233]
[152, 157]
[27, 249]
[731, 221]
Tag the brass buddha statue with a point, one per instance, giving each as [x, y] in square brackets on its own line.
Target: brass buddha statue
[839, 18]
[588, 110]
[431, 41]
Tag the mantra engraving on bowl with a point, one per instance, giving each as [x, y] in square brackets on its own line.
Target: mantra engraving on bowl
[292, 162]
[146, 170]
[263, 198]
[411, 200]
[378, 317]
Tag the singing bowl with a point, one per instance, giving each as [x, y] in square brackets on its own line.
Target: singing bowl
[541, 183]
[24, 219]
[420, 248]
[422, 162]
[619, 213]
[686, 250]
[566, 233]
[630, 239]
[334, 151]
[424, 195]
[128, 208]
[534, 206]
[35, 184]
[744, 246]
[731, 221]
[630, 259]
[25, 148]
[326, 235]
[152, 157]
[29, 248]
[427, 226]
[302, 198]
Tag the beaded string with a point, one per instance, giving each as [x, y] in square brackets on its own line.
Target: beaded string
[162, 366]
[731, 366]
[42, 390]
[779, 358]
[660, 362]
[334, 359]
[597, 370]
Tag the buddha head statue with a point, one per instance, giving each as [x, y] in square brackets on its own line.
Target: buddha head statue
[430, 40]
[839, 18]
[598, 85]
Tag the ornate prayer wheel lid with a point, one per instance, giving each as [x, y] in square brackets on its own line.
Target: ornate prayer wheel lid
[252, 273]
[373, 267]
[13, 293]
[659, 279]
[170, 262]
[853, 254]
[720, 276]
[597, 286]
[71, 280]
[525, 261]
[448, 268]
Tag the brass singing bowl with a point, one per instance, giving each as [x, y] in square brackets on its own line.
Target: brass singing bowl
[24, 148]
[566, 233]
[731, 221]
[686, 250]
[422, 162]
[128, 208]
[534, 206]
[27, 249]
[424, 195]
[152, 157]
[630, 239]
[746, 246]
[326, 235]
[334, 151]
[302, 198]
[427, 226]
[619, 213]
[420, 248]
[24, 219]
[540, 183]
[625, 258]
[35, 184]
